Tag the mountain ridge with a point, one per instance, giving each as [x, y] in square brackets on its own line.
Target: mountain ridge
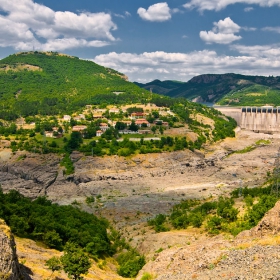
[223, 89]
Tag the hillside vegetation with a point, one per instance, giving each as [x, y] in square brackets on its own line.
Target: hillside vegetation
[34, 83]
[40, 88]
[225, 89]
[69, 229]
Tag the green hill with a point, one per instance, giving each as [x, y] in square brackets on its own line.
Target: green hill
[51, 83]
[224, 89]
[161, 87]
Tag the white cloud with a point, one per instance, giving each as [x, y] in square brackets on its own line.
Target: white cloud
[249, 28]
[125, 15]
[25, 19]
[248, 9]
[157, 12]
[272, 29]
[217, 5]
[62, 44]
[222, 32]
[12, 32]
[271, 52]
[147, 66]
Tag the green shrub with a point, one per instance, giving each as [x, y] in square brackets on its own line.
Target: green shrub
[131, 263]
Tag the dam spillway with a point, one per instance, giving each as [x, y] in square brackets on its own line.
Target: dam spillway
[264, 119]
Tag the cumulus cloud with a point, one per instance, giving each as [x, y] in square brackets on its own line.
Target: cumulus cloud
[157, 12]
[217, 5]
[222, 32]
[26, 24]
[147, 66]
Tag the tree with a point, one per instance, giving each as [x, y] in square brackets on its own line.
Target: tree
[75, 262]
[154, 129]
[133, 126]
[74, 142]
[54, 264]
[120, 126]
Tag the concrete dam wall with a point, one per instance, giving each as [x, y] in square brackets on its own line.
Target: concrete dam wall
[258, 119]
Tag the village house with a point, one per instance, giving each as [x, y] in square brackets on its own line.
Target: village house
[99, 132]
[49, 134]
[139, 122]
[100, 111]
[114, 110]
[67, 118]
[79, 117]
[138, 115]
[103, 126]
[79, 128]
[97, 116]
[128, 123]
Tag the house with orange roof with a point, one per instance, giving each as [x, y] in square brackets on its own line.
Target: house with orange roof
[139, 122]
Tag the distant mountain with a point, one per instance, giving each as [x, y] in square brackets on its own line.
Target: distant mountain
[224, 89]
[160, 87]
[50, 83]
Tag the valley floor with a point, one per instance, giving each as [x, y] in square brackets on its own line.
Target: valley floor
[129, 191]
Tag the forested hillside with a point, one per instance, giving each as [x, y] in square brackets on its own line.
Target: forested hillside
[50, 83]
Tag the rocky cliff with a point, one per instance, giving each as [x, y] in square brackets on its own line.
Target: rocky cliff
[9, 265]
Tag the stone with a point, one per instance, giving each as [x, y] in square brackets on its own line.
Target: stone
[9, 265]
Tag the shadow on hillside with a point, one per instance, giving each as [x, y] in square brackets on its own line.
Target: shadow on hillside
[26, 271]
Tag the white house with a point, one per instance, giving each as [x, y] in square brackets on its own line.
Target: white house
[67, 118]
[99, 132]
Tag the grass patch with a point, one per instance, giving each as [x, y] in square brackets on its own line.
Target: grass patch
[250, 148]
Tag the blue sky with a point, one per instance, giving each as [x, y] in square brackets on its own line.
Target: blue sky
[147, 40]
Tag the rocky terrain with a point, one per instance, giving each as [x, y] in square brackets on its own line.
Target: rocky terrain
[128, 191]
[253, 254]
[9, 266]
[144, 183]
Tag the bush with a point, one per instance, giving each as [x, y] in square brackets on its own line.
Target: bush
[214, 225]
[131, 263]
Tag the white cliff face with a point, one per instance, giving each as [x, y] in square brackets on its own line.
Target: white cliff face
[9, 266]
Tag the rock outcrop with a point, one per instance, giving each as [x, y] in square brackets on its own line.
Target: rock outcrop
[269, 224]
[30, 174]
[9, 265]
